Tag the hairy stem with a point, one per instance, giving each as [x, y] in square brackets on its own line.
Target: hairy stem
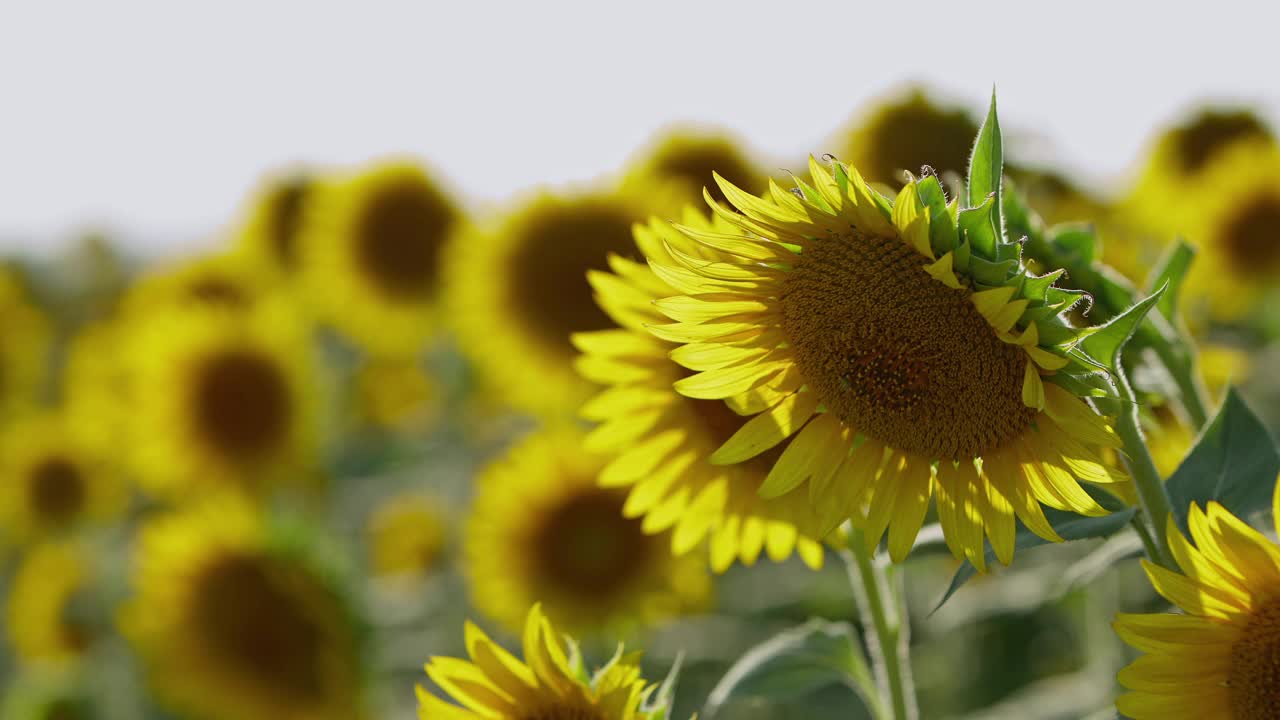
[884, 622]
[1152, 497]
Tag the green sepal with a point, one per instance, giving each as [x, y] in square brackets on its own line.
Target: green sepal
[658, 706]
[1057, 333]
[1036, 288]
[978, 227]
[1171, 270]
[943, 234]
[811, 194]
[1076, 243]
[1085, 383]
[986, 166]
[962, 257]
[1104, 343]
[992, 274]
[1009, 251]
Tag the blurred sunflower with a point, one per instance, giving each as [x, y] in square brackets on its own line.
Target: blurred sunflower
[225, 280]
[551, 681]
[394, 393]
[542, 530]
[44, 619]
[233, 621]
[96, 386]
[407, 536]
[908, 133]
[518, 291]
[53, 481]
[271, 233]
[371, 251]
[24, 354]
[43, 695]
[683, 161]
[661, 441]
[1218, 660]
[891, 355]
[234, 402]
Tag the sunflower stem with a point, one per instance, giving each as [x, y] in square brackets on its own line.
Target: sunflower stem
[885, 629]
[1182, 366]
[1152, 497]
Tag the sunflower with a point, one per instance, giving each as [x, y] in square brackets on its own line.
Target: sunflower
[517, 292]
[45, 621]
[234, 621]
[660, 441]
[1218, 660]
[24, 353]
[394, 393]
[53, 480]
[683, 160]
[96, 386]
[407, 536]
[44, 695]
[907, 133]
[542, 530]
[223, 280]
[899, 353]
[551, 682]
[223, 399]
[371, 249]
[271, 233]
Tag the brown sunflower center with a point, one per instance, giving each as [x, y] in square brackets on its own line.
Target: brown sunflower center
[898, 355]
[586, 547]
[57, 490]
[549, 287]
[917, 134]
[565, 712]
[285, 220]
[399, 237]
[1254, 677]
[217, 290]
[694, 165]
[1252, 236]
[251, 615]
[242, 404]
[1196, 144]
[66, 709]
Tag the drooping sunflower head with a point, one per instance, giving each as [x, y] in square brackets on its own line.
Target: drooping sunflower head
[541, 529]
[272, 232]
[518, 291]
[661, 443]
[372, 248]
[1219, 658]
[550, 683]
[24, 349]
[234, 401]
[234, 621]
[48, 617]
[909, 133]
[407, 536]
[684, 160]
[53, 480]
[893, 349]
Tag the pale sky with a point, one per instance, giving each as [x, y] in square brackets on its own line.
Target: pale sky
[155, 119]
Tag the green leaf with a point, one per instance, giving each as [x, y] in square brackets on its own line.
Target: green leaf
[795, 663]
[986, 165]
[1035, 288]
[662, 700]
[942, 229]
[1069, 525]
[1076, 243]
[1171, 271]
[1234, 462]
[1104, 343]
[989, 273]
[978, 226]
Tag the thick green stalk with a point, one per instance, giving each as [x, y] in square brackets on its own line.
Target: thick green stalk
[1152, 497]
[1183, 368]
[885, 628]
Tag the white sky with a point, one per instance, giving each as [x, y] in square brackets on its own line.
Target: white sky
[154, 119]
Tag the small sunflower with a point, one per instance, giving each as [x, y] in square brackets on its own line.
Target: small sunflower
[517, 292]
[683, 160]
[407, 536]
[234, 622]
[394, 393]
[24, 353]
[96, 386]
[908, 133]
[1218, 660]
[53, 480]
[541, 529]
[660, 441]
[44, 620]
[900, 353]
[550, 683]
[224, 280]
[271, 234]
[223, 399]
[372, 254]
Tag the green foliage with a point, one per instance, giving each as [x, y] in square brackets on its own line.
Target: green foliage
[1234, 462]
[1105, 342]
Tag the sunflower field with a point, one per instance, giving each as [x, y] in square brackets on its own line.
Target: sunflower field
[912, 427]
